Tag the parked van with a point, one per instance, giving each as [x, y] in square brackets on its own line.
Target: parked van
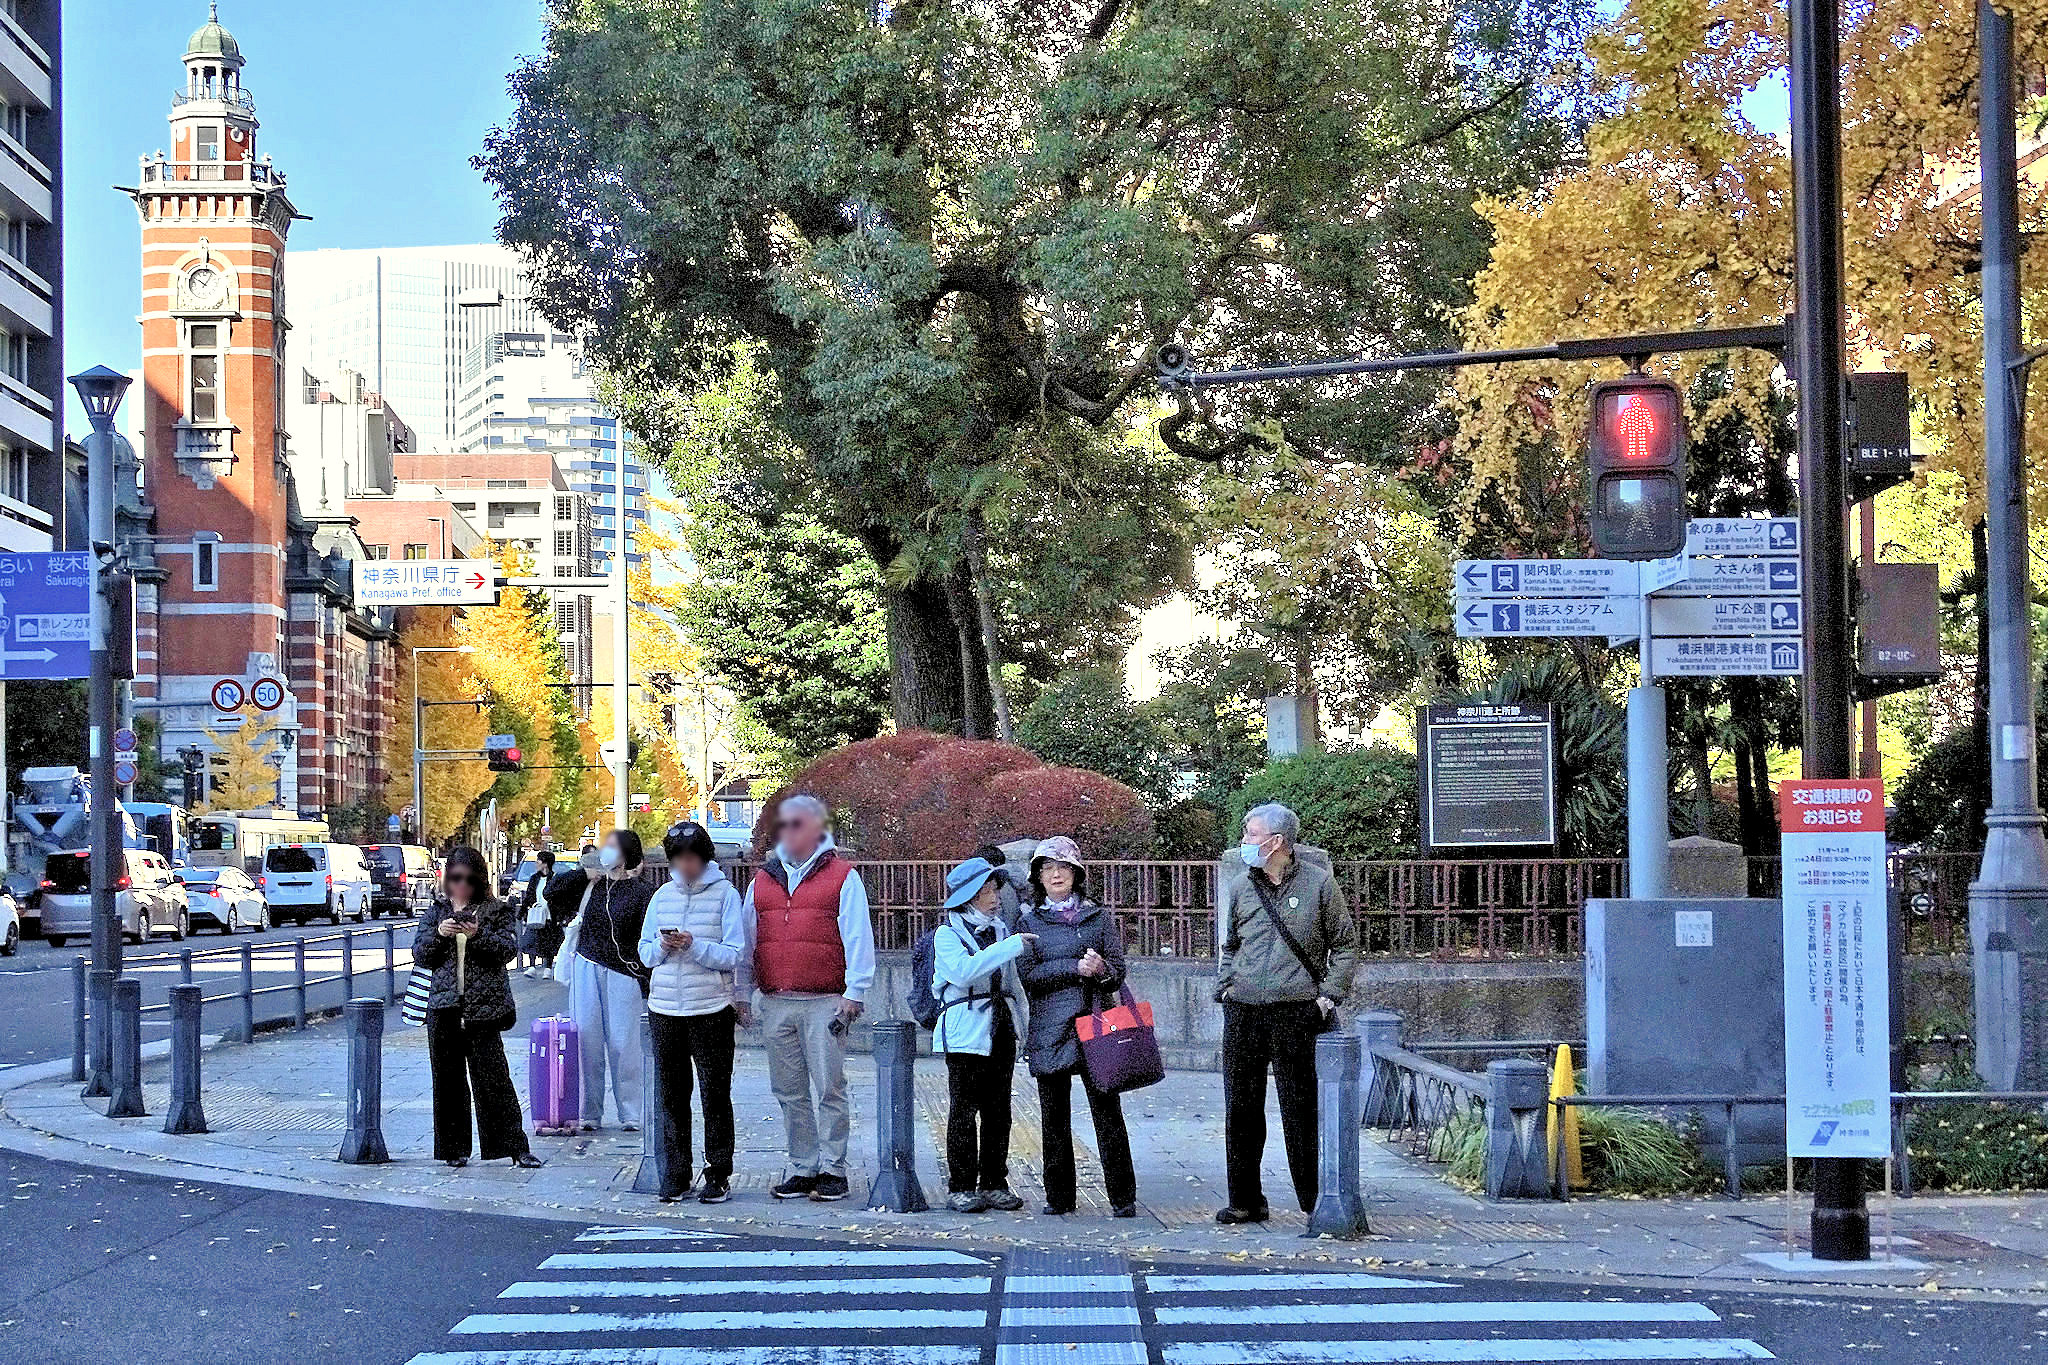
[402, 878]
[304, 881]
[147, 899]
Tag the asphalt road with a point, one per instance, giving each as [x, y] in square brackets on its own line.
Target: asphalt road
[36, 986]
[113, 1267]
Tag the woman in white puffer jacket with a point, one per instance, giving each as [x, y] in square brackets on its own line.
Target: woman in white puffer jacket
[693, 938]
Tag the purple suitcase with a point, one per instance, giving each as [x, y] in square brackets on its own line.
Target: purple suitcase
[553, 1075]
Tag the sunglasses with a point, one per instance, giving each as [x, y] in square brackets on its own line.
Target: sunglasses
[465, 879]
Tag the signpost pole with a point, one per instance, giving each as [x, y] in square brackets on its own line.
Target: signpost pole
[100, 390]
[1649, 783]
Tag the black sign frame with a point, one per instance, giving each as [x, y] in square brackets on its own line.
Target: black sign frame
[1442, 721]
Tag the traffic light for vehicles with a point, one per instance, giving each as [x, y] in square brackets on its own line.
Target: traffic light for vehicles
[1638, 468]
[502, 752]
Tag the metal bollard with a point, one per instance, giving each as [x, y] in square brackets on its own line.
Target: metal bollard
[298, 983]
[78, 1008]
[895, 1188]
[248, 993]
[651, 1176]
[390, 964]
[184, 966]
[1517, 1145]
[1731, 1163]
[186, 1114]
[1340, 1207]
[348, 966]
[99, 1080]
[1379, 1085]
[126, 1026]
[363, 1142]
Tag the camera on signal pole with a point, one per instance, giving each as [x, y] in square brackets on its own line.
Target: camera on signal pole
[1173, 362]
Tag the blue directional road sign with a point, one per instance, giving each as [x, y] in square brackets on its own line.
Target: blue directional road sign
[1727, 658]
[1543, 577]
[1539, 616]
[45, 615]
[1671, 616]
[1742, 536]
[1737, 578]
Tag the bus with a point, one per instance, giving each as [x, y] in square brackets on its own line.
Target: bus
[231, 840]
[162, 828]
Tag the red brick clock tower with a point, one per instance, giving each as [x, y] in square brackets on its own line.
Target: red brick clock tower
[214, 221]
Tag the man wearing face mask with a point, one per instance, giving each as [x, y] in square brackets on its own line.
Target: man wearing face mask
[1288, 949]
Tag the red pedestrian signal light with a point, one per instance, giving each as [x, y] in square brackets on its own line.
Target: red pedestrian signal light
[1638, 469]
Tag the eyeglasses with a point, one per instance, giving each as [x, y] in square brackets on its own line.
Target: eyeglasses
[465, 879]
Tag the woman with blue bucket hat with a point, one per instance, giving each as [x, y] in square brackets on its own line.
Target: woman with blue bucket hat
[977, 993]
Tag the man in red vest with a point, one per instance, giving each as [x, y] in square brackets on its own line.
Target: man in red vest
[812, 958]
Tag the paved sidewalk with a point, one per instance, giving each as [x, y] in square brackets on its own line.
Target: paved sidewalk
[276, 1110]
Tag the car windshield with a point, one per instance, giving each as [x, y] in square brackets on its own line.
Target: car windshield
[294, 860]
[526, 871]
[68, 873]
[384, 857]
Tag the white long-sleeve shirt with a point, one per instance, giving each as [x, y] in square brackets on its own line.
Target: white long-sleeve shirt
[856, 927]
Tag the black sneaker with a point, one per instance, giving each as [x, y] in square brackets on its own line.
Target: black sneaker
[1002, 1198]
[715, 1191]
[1232, 1216]
[796, 1187]
[684, 1193]
[829, 1188]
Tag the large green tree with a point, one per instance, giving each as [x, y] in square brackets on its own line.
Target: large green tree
[958, 231]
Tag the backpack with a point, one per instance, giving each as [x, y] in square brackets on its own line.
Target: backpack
[924, 1006]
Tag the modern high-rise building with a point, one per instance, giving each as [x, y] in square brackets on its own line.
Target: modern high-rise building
[31, 276]
[533, 391]
[404, 318]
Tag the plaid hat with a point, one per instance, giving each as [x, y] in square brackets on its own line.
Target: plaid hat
[1059, 849]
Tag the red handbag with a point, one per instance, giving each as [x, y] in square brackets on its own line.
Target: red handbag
[1119, 1049]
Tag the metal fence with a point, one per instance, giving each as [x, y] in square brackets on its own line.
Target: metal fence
[1442, 908]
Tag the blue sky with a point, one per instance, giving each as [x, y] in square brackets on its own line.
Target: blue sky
[371, 108]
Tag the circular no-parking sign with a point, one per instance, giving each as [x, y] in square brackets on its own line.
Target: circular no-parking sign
[268, 694]
[227, 695]
[124, 741]
[125, 774]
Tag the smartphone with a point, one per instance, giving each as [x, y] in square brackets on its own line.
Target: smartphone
[837, 1028]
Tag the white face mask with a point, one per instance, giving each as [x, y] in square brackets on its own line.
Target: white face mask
[608, 857]
[1253, 853]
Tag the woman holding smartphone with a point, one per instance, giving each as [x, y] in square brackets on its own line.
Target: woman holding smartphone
[466, 939]
[691, 942]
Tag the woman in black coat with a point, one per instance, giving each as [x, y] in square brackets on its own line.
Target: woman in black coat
[466, 939]
[1078, 954]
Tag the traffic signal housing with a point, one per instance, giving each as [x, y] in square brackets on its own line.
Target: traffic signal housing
[1638, 468]
[502, 753]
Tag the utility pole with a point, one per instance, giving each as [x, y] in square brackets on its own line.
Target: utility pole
[2009, 899]
[1841, 1221]
[101, 390]
[622, 688]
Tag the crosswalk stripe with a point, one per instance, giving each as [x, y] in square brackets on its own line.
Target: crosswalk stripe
[1066, 1315]
[1279, 1282]
[1066, 1284]
[803, 1320]
[712, 1355]
[1064, 1353]
[1523, 1351]
[745, 1260]
[647, 1235]
[655, 1289]
[1507, 1311]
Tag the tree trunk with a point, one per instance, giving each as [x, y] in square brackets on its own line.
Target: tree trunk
[924, 659]
[978, 719]
[991, 644]
[1305, 691]
[1702, 786]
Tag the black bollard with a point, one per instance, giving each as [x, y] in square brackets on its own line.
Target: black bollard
[363, 1142]
[1340, 1208]
[651, 1176]
[99, 1078]
[125, 1101]
[1380, 1082]
[185, 1114]
[1517, 1139]
[78, 1009]
[895, 1188]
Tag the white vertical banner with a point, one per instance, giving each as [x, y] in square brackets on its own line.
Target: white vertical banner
[1837, 970]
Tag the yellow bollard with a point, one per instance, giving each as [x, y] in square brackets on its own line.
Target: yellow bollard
[1564, 1081]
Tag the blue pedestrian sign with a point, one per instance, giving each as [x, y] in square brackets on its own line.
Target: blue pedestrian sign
[45, 615]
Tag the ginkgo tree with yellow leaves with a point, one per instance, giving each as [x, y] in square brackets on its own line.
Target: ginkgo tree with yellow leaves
[243, 770]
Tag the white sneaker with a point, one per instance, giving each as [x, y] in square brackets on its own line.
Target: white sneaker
[532, 973]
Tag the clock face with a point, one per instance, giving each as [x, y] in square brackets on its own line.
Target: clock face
[206, 287]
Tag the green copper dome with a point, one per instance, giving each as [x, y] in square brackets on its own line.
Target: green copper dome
[211, 40]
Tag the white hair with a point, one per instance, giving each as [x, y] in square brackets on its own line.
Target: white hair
[1277, 819]
[804, 801]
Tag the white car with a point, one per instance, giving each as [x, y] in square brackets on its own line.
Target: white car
[303, 881]
[10, 924]
[147, 897]
[225, 898]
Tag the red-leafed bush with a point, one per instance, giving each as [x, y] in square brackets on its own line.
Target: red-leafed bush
[924, 795]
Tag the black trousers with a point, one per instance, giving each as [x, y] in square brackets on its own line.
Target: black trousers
[1112, 1142]
[1282, 1039]
[693, 1050]
[978, 1121]
[469, 1058]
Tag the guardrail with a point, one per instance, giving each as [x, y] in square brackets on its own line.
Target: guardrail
[367, 954]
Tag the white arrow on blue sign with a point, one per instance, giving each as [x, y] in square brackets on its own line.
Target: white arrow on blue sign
[1727, 658]
[1742, 536]
[1544, 578]
[45, 615]
[1673, 616]
[1737, 578]
[1484, 618]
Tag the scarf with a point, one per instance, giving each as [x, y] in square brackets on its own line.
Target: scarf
[1063, 912]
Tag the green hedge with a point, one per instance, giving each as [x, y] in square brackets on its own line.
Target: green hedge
[1356, 803]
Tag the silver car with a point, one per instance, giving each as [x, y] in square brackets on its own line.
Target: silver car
[146, 899]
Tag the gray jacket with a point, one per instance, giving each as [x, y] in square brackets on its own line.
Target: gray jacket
[1256, 966]
[486, 996]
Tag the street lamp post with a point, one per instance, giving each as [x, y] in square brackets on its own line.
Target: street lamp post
[622, 691]
[419, 762]
[101, 390]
